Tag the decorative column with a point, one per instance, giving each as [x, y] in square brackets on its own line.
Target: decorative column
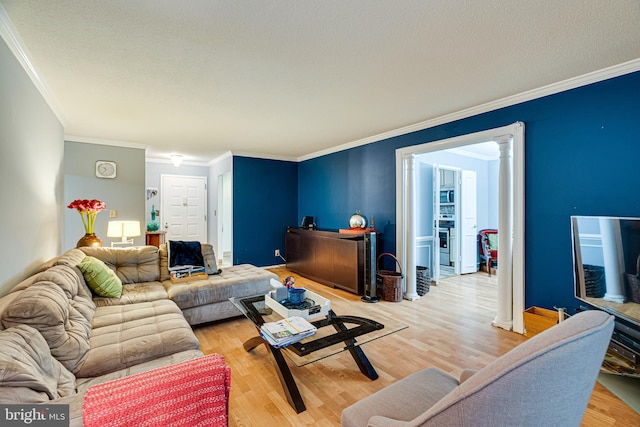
[613, 262]
[410, 236]
[504, 317]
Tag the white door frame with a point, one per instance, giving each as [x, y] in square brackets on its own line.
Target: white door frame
[511, 283]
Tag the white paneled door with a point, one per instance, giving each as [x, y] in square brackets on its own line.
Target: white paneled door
[184, 207]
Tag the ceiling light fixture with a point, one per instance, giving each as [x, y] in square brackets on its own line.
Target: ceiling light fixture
[176, 159]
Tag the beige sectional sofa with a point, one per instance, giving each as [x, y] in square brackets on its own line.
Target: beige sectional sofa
[58, 338]
[144, 271]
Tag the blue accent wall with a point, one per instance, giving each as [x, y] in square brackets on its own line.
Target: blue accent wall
[265, 200]
[331, 188]
[581, 158]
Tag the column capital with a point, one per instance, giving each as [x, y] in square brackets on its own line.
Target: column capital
[503, 139]
[411, 161]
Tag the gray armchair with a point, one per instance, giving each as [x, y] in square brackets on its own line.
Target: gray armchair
[546, 380]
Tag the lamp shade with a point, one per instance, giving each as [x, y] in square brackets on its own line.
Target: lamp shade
[123, 229]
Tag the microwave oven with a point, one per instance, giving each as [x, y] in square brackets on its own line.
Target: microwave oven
[446, 196]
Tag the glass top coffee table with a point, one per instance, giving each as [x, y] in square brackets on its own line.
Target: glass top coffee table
[335, 334]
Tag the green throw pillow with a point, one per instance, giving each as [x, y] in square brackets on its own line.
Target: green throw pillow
[492, 240]
[101, 279]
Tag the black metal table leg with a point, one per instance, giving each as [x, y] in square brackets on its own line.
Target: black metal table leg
[302, 348]
[358, 355]
[287, 381]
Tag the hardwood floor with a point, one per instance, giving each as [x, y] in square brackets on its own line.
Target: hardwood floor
[449, 328]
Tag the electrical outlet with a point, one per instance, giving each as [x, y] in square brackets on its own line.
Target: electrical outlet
[277, 252]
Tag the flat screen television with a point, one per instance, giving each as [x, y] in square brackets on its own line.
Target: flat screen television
[606, 260]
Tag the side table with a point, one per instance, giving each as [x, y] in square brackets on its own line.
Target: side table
[155, 238]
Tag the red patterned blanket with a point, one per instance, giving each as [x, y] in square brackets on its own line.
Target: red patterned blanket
[191, 393]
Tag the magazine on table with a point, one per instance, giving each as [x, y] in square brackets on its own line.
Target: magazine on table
[287, 331]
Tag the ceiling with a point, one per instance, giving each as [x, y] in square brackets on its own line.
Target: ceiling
[287, 79]
[484, 150]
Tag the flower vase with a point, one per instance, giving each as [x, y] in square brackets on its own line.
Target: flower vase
[153, 225]
[296, 296]
[89, 239]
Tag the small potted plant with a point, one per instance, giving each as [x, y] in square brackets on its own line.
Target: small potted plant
[296, 295]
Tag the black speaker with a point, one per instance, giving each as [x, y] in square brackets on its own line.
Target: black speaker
[307, 222]
[370, 252]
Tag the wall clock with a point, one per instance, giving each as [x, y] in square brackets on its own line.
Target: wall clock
[105, 169]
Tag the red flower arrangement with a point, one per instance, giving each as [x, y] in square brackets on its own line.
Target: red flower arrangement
[88, 209]
[289, 281]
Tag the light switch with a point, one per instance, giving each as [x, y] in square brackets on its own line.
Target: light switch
[113, 213]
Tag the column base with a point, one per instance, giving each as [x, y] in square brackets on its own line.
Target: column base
[614, 298]
[411, 296]
[506, 325]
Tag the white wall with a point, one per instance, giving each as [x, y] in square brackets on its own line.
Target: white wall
[31, 188]
[493, 195]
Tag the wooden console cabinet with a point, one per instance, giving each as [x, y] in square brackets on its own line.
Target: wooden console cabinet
[331, 258]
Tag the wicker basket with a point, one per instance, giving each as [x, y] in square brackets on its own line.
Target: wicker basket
[594, 281]
[389, 283]
[634, 287]
[422, 280]
[634, 283]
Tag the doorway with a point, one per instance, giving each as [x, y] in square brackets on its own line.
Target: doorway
[445, 192]
[225, 204]
[456, 198]
[511, 216]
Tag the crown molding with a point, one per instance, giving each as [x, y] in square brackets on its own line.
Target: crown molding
[226, 155]
[551, 89]
[265, 156]
[19, 50]
[169, 162]
[97, 141]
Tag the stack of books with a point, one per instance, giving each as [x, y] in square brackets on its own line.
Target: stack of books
[187, 274]
[287, 331]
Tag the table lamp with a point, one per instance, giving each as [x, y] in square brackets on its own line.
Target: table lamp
[123, 229]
